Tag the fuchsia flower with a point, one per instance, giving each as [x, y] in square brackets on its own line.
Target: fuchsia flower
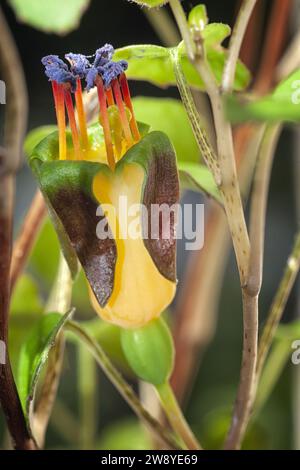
[132, 280]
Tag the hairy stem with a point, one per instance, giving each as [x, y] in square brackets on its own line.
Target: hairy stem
[199, 131]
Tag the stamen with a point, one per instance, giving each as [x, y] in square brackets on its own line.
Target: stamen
[127, 99]
[104, 121]
[58, 93]
[81, 115]
[72, 122]
[122, 111]
[110, 97]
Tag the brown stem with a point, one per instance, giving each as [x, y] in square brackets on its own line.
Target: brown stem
[194, 326]
[9, 397]
[274, 43]
[15, 124]
[27, 236]
[247, 386]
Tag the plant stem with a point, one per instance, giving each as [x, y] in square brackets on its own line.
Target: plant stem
[176, 417]
[87, 387]
[122, 386]
[180, 18]
[200, 134]
[9, 397]
[59, 302]
[278, 305]
[251, 291]
[27, 236]
[259, 207]
[229, 185]
[236, 42]
[10, 157]
[163, 25]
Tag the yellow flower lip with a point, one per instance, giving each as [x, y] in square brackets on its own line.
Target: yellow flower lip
[140, 291]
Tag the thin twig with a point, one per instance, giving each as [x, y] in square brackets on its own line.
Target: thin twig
[29, 230]
[163, 25]
[229, 185]
[194, 327]
[59, 302]
[180, 18]
[122, 386]
[176, 417]
[199, 130]
[235, 45]
[259, 207]
[273, 42]
[15, 124]
[9, 398]
[278, 305]
[251, 292]
[291, 59]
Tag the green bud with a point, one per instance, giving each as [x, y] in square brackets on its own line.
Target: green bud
[150, 3]
[198, 17]
[149, 351]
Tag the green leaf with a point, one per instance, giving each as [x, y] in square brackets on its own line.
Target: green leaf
[169, 116]
[34, 137]
[197, 177]
[34, 355]
[56, 16]
[283, 105]
[154, 64]
[215, 33]
[26, 299]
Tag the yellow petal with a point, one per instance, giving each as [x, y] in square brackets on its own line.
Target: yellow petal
[140, 292]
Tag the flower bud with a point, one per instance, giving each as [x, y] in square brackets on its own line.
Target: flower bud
[198, 17]
[149, 351]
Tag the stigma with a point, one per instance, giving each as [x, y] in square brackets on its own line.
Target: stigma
[116, 113]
